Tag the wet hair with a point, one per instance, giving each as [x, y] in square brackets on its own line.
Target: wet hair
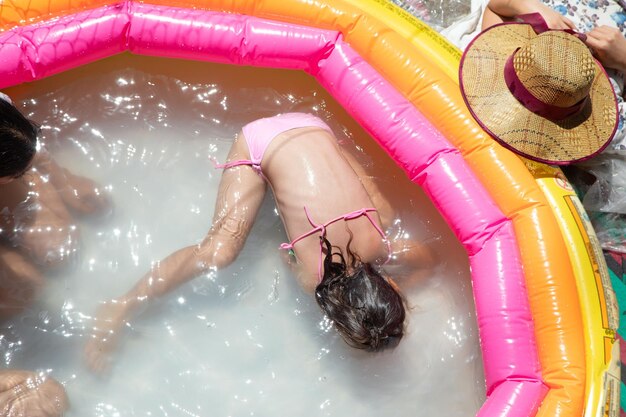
[18, 141]
[368, 312]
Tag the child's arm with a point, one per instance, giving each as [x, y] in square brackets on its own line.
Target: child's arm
[80, 194]
[490, 18]
[404, 252]
[511, 8]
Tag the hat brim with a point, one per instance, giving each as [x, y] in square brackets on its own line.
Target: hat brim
[573, 139]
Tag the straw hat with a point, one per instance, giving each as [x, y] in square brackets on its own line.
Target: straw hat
[539, 92]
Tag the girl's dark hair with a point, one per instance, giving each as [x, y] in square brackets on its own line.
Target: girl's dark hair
[368, 312]
[18, 141]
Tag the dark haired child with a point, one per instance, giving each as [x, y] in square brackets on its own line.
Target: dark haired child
[37, 196]
[36, 232]
[333, 213]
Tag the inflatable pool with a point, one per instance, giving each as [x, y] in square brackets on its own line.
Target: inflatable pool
[545, 310]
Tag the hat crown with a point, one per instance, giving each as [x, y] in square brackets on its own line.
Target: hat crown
[556, 68]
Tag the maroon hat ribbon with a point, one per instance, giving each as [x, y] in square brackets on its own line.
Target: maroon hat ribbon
[532, 103]
[521, 93]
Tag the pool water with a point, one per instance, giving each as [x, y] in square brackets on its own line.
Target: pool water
[244, 341]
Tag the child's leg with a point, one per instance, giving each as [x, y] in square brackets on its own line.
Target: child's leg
[20, 282]
[239, 198]
[24, 393]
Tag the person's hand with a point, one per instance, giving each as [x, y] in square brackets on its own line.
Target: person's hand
[79, 194]
[554, 19]
[83, 195]
[27, 394]
[512, 8]
[609, 46]
[108, 323]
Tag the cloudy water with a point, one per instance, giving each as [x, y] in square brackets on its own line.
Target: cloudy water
[244, 341]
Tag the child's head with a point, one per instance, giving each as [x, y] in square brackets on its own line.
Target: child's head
[18, 142]
[366, 309]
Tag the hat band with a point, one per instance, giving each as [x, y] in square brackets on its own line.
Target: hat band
[532, 103]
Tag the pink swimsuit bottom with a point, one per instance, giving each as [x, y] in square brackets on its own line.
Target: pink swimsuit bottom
[259, 134]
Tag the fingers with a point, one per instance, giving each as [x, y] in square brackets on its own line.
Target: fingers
[98, 353]
[33, 396]
[560, 22]
[609, 46]
[97, 358]
[569, 23]
[593, 42]
[602, 36]
[104, 340]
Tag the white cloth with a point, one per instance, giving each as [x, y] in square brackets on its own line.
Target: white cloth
[462, 32]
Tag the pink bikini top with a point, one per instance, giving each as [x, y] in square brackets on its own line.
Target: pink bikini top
[321, 229]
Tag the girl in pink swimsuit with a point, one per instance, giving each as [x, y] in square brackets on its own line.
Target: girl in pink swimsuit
[333, 214]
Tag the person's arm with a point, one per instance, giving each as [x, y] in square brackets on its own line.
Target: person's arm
[241, 192]
[490, 18]
[405, 252]
[507, 9]
[413, 254]
[80, 194]
[609, 46]
[381, 203]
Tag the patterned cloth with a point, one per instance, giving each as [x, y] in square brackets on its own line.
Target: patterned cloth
[616, 263]
[586, 15]
[605, 199]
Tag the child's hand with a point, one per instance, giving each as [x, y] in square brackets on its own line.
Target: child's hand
[28, 394]
[512, 8]
[79, 194]
[609, 46]
[109, 321]
[83, 195]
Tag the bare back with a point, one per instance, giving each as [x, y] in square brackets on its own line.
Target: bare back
[306, 168]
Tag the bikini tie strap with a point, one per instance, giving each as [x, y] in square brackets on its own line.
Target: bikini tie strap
[241, 162]
[322, 229]
[316, 228]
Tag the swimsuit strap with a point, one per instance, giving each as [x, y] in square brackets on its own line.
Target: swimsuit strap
[321, 228]
[233, 164]
[241, 162]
